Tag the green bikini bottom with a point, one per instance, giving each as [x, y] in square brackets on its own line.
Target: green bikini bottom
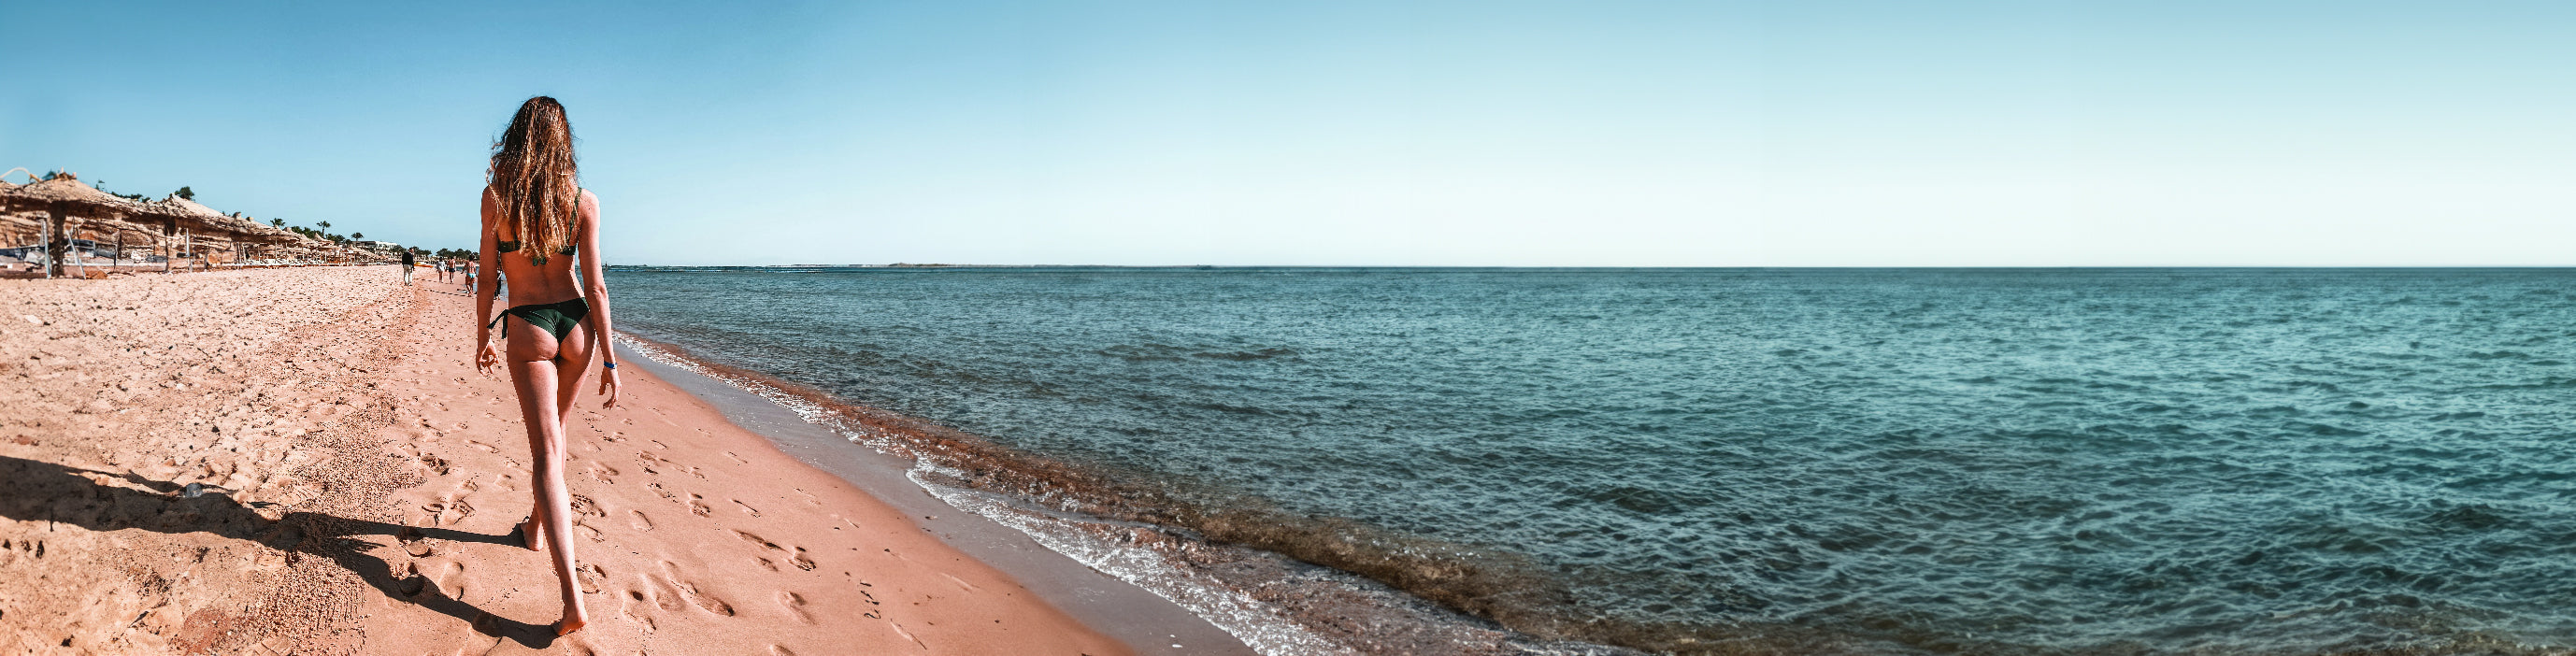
[556, 318]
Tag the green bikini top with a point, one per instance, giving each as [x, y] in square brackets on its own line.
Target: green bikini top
[513, 247]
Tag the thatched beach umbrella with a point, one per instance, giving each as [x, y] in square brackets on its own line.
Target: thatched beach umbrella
[207, 226]
[67, 190]
[172, 215]
[62, 198]
[249, 234]
[188, 208]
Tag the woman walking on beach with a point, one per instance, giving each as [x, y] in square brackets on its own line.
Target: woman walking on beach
[537, 222]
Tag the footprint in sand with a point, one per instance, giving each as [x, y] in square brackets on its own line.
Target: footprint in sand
[413, 543]
[449, 513]
[586, 531]
[664, 595]
[756, 539]
[796, 558]
[603, 473]
[755, 512]
[486, 447]
[627, 608]
[710, 604]
[637, 519]
[795, 605]
[590, 577]
[688, 590]
[584, 506]
[450, 580]
[411, 583]
[434, 463]
[698, 504]
[736, 458]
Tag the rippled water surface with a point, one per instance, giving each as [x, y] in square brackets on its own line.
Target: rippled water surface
[1918, 460]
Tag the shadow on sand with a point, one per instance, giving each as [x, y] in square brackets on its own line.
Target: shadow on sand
[32, 491]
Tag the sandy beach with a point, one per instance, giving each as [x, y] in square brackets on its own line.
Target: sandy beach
[306, 461]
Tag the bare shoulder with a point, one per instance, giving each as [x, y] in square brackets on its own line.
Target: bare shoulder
[589, 204]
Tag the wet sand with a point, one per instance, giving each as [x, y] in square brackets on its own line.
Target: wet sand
[357, 480]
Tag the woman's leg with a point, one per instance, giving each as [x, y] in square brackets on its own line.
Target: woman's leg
[573, 365]
[526, 345]
[533, 371]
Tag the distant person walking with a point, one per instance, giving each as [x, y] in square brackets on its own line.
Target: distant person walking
[537, 221]
[407, 265]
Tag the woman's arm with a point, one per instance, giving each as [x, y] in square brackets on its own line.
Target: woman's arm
[594, 284]
[485, 355]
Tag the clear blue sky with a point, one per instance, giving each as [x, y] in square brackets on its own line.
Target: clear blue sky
[1397, 133]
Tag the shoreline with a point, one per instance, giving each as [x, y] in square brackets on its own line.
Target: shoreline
[1145, 622]
[309, 463]
[1278, 603]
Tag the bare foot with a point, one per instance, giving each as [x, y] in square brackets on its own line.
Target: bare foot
[528, 535]
[567, 626]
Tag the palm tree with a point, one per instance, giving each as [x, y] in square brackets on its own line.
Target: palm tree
[326, 225]
[360, 236]
[277, 222]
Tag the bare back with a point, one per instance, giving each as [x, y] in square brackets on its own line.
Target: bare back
[532, 283]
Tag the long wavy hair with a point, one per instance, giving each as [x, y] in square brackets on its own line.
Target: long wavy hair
[532, 175]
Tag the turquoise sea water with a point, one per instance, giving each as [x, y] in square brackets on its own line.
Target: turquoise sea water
[1907, 461]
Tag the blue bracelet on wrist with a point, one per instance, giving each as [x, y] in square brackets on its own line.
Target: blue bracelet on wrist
[608, 365]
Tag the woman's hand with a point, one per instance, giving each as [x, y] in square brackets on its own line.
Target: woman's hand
[608, 387]
[487, 358]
